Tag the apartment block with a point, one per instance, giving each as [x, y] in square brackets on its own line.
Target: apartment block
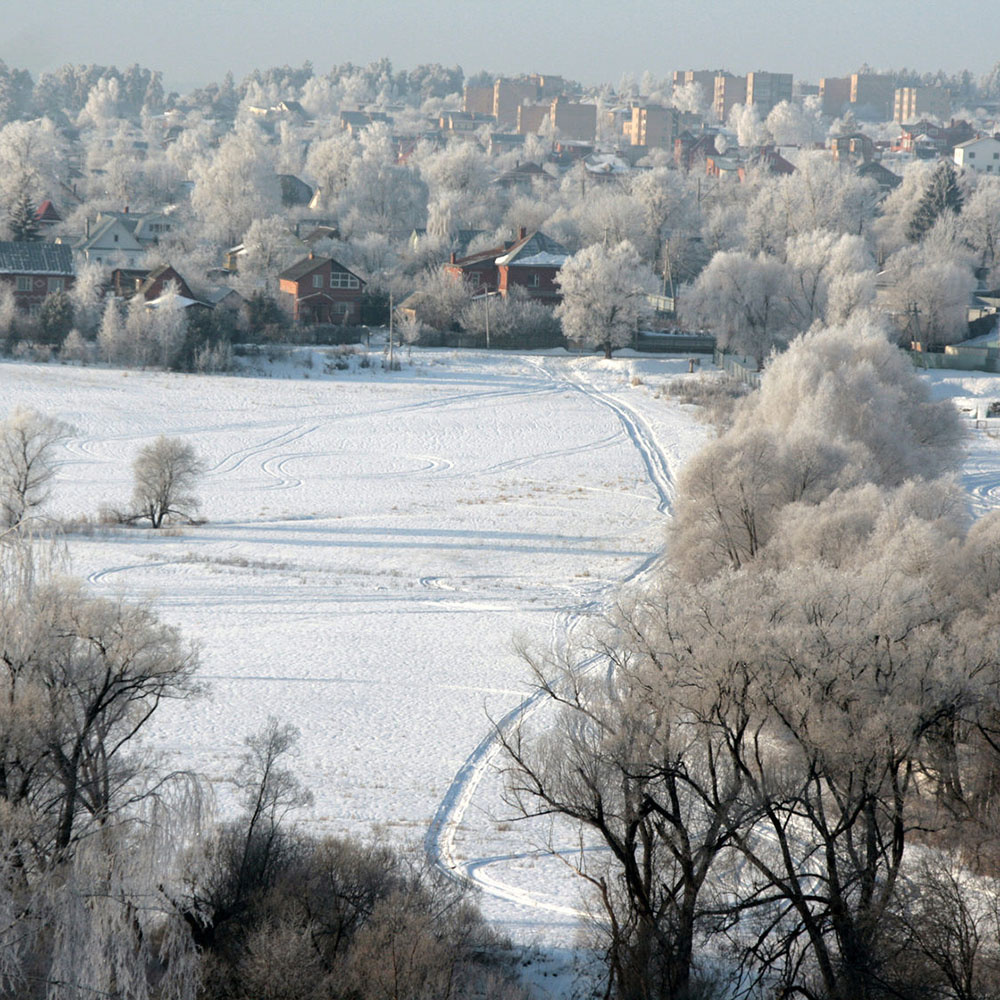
[872, 96]
[913, 103]
[478, 100]
[530, 118]
[705, 78]
[508, 96]
[547, 84]
[729, 91]
[652, 126]
[765, 90]
[834, 94]
[573, 120]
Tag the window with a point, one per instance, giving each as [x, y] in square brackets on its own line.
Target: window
[341, 279]
[23, 283]
[34, 309]
[533, 280]
[116, 237]
[317, 281]
[972, 155]
[996, 156]
[474, 278]
[55, 285]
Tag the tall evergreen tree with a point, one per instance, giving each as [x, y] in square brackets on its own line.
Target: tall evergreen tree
[941, 195]
[21, 219]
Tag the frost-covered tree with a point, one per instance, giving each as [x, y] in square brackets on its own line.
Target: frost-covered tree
[328, 164]
[166, 472]
[928, 293]
[381, 196]
[840, 408]
[166, 328]
[831, 276]
[691, 97]
[111, 337]
[86, 297]
[28, 442]
[269, 247]
[604, 293]
[21, 221]
[793, 125]
[744, 120]
[980, 220]
[744, 301]
[89, 824]
[237, 185]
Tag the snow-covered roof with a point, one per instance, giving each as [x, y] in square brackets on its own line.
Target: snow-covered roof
[543, 259]
[535, 250]
[182, 301]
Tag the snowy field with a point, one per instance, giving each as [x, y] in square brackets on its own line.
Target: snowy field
[374, 546]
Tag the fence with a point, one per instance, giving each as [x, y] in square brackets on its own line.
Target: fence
[738, 366]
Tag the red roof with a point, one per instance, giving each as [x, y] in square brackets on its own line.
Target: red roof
[46, 212]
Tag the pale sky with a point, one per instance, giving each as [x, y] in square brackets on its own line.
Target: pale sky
[593, 41]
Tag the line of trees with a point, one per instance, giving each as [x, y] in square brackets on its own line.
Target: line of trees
[787, 745]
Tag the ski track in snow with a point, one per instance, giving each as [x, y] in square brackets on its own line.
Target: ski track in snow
[439, 842]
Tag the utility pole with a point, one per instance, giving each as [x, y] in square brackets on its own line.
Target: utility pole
[487, 319]
[391, 365]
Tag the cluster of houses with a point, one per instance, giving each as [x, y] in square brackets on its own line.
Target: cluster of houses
[606, 143]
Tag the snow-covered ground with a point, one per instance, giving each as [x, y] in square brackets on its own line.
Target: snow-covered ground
[374, 546]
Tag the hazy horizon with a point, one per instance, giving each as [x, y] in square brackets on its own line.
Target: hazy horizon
[586, 41]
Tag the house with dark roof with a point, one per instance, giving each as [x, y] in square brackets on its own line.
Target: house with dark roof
[531, 262]
[478, 270]
[35, 270]
[321, 290]
[156, 282]
[47, 216]
[523, 176]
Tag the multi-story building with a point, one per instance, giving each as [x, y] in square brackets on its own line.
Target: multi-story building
[834, 94]
[705, 78]
[531, 117]
[478, 100]
[652, 125]
[912, 103]
[729, 91]
[872, 96]
[548, 85]
[508, 96]
[573, 120]
[765, 90]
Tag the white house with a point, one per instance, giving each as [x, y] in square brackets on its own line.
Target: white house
[110, 243]
[981, 155]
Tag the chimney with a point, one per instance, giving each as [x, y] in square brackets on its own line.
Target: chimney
[312, 256]
[521, 233]
[453, 257]
[126, 209]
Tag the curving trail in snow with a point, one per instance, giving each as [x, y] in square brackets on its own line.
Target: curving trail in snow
[439, 841]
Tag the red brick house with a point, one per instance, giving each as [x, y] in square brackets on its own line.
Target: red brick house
[319, 290]
[36, 270]
[478, 269]
[530, 262]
